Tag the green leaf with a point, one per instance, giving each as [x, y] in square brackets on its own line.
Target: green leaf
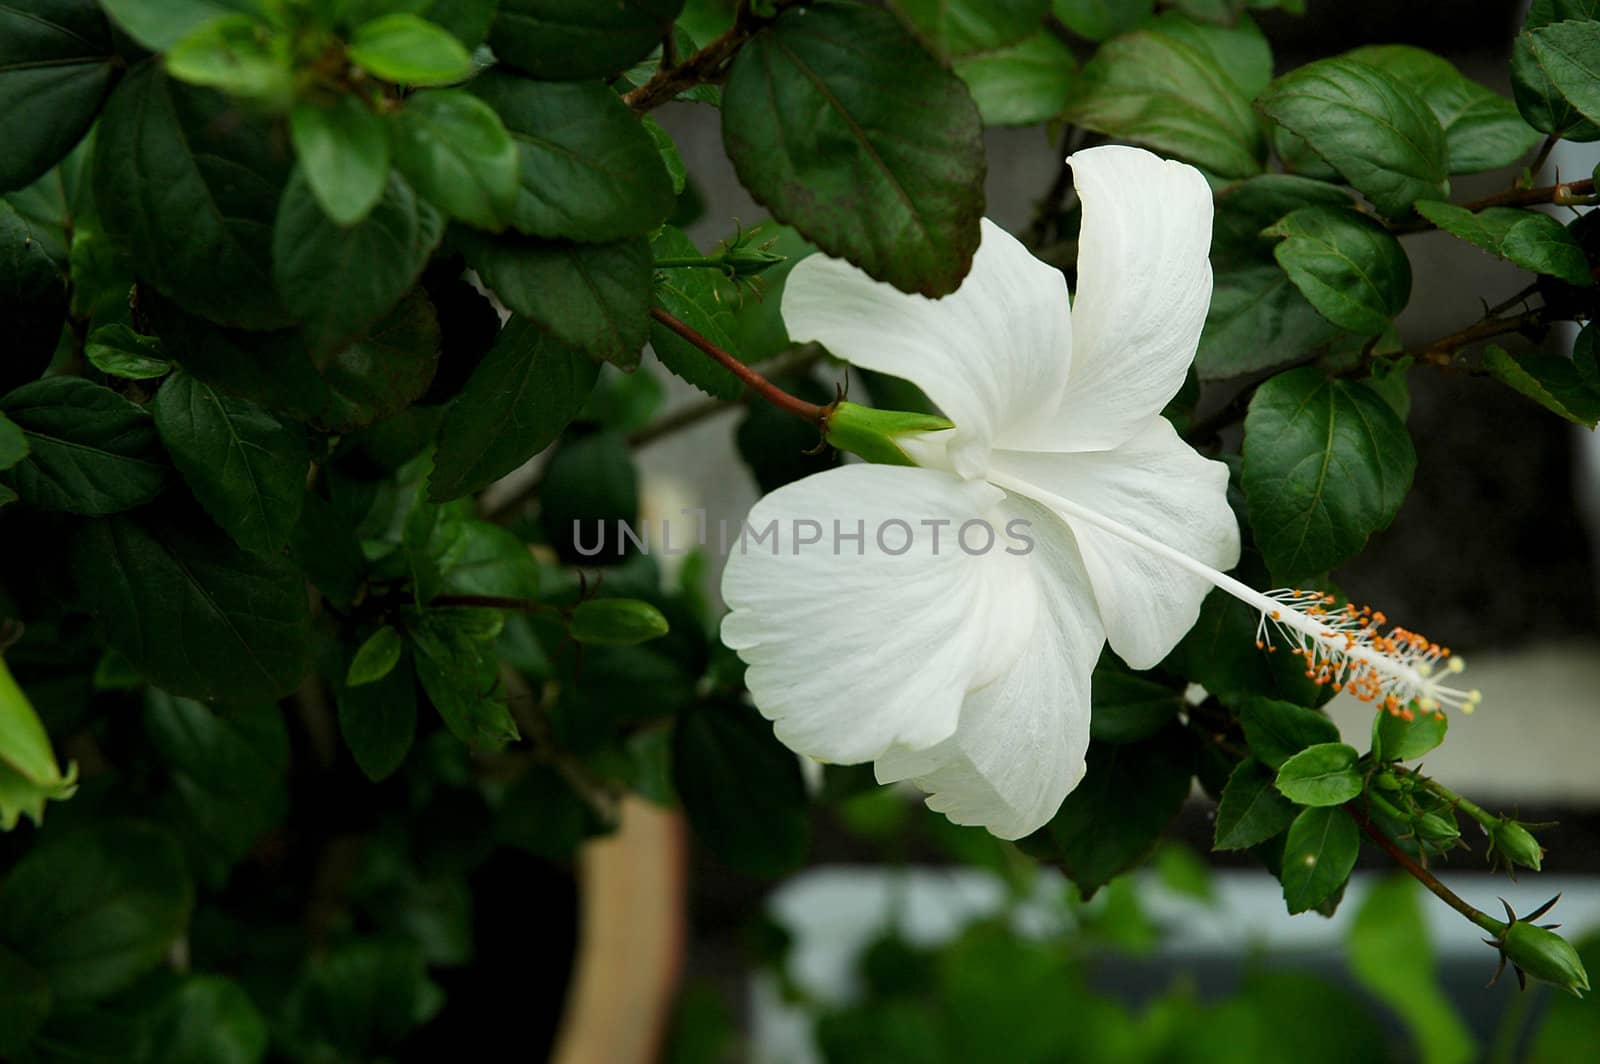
[457, 154]
[591, 296]
[1544, 12]
[692, 296]
[1324, 774]
[1278, 730]
[1258, 319]
[236, 54]
[1531, 239]
[616, 622]
[229, 768]
[961, 27]
[244, 465]
[90, 450]
[1164, 88]
[677, 173]
[1104, 827]
[56, 66]
[1023, 83]
[1541, 102]
[1380, 136]
[193, 613]
[208, 1019]
[13, 444]
[1390, 955]
[1251, 810]
[375, 658]
[343, 150]
[840, 123]
[1346, 265]
[379, 720]
[458, 669]
[1567, 53]
[741, 789]
[379, 376]
[187, 187]
[1326, 464]
[1482, 129]
[485, 559]
[1396, 739]
[589, 170]
[357, 999]
[96, 909]
[514, 405]
[1100, 19]
[160, 24]
[24, 1001]
[33, 299]
[1549, 380]
[403, 48]
[573, 39]
[118, 351]
[1318, 855]
[29, 773]
[1129, 707]
[342, 279]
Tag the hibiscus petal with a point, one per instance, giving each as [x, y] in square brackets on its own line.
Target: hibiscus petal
[850, 653]
[1155, 484]
[993, 355]
[1144, 283]
[1020, 745]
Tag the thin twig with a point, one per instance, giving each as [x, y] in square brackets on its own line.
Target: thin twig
[798, 360]
[773, 394]
[706, 65]
[1420, 874]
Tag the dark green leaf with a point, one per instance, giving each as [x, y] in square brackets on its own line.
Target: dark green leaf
[56, 66]
[343, 150]
[589, 170]
[96, 909]
[838, 121]
[1541, 102]
[403, 48]
[741, 789]
[1549, 380]
[1023, 83]
[91, 451]
[960, 27]
[1380, 136]
[236, 54]
[207, 1019]
[588, 487]
[591, 296]
[33, 299]
[1531, 239]
[379, 720]
[159, 24]
[1326, 464]
[616, 622]
[455, 151]
[187, 186]
[228, 768]
[573, 39]
[485, 559]
[1129, 707]
[514, 405]
[247, 468]
[1104, 827]
[1317, 856]
[1324, 774]
[342, 279]
[1100, 19]
[118, 351]
[24, 1001]
[191, 611]
[1169, 91]
[1544, 12]
[375, 658]
[13, 444]
[1251, 810]
[456, 665]
[543, 815]
[1568, 54]
[1258, 319]
[1346, 265]
[358, 999]
[1396, 739]
[692, 295]
[1278, 730]
[379, 376]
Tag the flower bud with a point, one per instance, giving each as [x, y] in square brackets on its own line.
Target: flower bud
[1544, 955]
[1435, 828]
[747, 260]
[873, 434]
[1515, 844]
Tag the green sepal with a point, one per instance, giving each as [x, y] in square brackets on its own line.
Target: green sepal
[870, 433]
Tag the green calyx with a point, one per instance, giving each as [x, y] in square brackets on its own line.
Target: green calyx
[1514, 845]
[1536, 950]
[873, 434]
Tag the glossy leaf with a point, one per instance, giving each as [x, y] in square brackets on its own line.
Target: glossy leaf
[456, 153]
[692, 295]
[1320, 775]
[403, 48]
[375, 658]
[343, 150]
[1396, 739]
[616, 622]
[840, 123]
[1318, 855]
[961, 27]
[118, 351]
[1531, 239]
[1326, 464]
[378, 720]
[1567, 53]
[90, 451]
[1279, 730]
[237, 55]
[574, 39]
[1251, 810]
[1348, 267]
[56, 66]
[1022, 83]
[1100, 19]
[1549, 380]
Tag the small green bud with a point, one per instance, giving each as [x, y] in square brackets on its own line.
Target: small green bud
[747, 260]
[1544, 955]
[616, 622]
[1434, 827]
[1515, 845]
[872, 434]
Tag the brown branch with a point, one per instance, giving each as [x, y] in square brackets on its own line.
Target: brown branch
[1420, 874]
[1439, 352]
[706, 65]
[795, 361]
[754, 381]
[1559, 193]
